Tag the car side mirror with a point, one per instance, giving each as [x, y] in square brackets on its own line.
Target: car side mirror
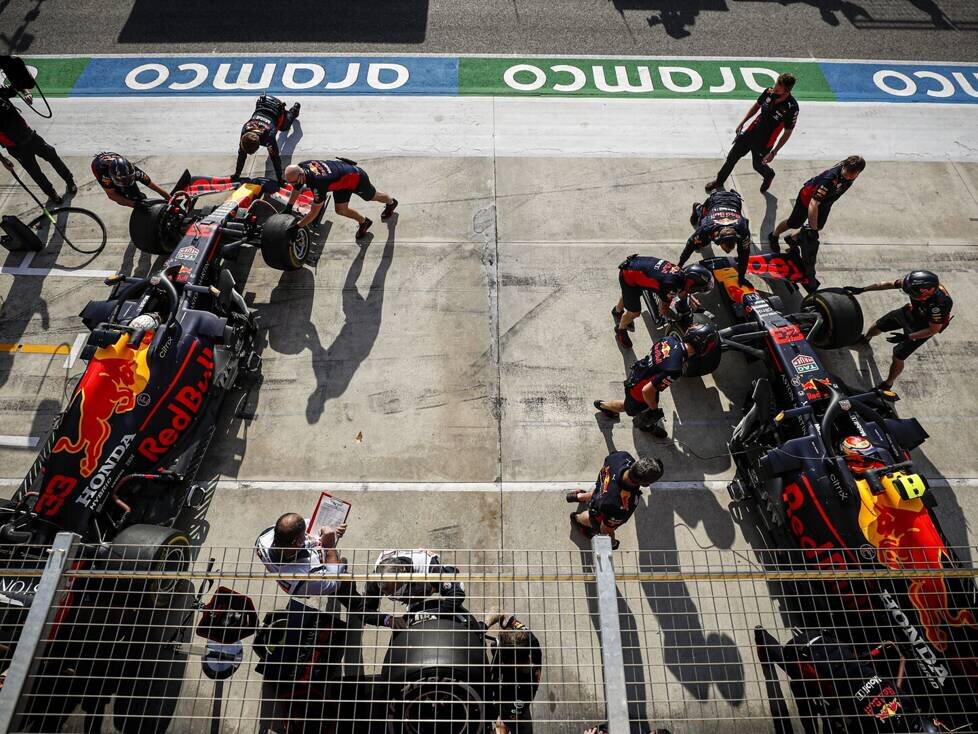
[225, 287]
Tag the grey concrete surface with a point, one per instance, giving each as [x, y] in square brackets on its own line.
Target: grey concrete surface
[881, 29]
[466, 342]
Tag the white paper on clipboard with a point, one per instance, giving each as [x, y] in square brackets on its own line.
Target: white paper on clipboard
[330, 512]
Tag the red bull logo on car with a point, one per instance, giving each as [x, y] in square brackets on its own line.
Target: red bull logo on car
[115, 376]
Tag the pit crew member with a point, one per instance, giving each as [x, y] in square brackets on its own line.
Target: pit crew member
[342, 179]
[928, 313]
[269, 118]
[776, 114]
[118, 177]
[615, 495]
[674, 287]
[518, 661]
[286, 548]
[816, 197]
[411, 593]
[23, 143]
[720, 219]
[653, 374]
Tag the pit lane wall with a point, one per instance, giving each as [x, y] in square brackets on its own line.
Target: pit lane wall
[423, 75]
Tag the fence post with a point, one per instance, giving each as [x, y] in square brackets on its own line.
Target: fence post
[612, 657]
[32, 635]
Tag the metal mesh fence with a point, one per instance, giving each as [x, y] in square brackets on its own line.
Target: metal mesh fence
[150, 639]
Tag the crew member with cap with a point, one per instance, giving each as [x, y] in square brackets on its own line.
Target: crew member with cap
[674, 287]
[615, 495]
[341, 178]
[653, 374]
[720, 219]
[269, 118]
[118, 177]
[928, 313]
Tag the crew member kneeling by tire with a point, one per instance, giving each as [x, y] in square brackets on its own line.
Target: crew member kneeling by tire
[615, 495]
[654, 373]
[928, 313]
[341, 178]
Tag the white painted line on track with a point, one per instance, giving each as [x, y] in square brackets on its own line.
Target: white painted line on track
[18, 442]
[56, 272]
[76, 348]
[512, 127]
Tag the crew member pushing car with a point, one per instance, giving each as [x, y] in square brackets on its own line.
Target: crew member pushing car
[269, 118]
[816, 197]
[118, 177]
[672, 285]
[341, 178]
[654, 373]
[720, 219]
[928, 313]
[615, 495]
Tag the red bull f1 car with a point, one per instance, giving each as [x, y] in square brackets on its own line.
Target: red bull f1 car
[120, 462]
[829, 469]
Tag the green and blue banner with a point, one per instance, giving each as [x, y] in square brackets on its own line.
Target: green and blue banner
[818, 81]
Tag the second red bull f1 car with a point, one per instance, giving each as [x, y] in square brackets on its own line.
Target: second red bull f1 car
[829, 468]
[120, 462]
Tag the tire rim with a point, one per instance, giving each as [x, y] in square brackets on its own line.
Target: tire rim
[300, 246]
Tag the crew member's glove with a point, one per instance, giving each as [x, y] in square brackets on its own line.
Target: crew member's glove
[853, 290]
[896, 338]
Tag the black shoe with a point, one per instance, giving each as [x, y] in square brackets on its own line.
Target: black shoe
[362, 229]
[388, 210]
[295, 110]
[586, 532]
[624, 341]
[791, 241]
[71, 188]
[767, 183]
[609, 414]
[616, 315]
[712, 186]
[773, 242]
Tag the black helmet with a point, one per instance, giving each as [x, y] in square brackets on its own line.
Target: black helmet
[697, 279]
[121, 171]
[704, 338]
[918, 280]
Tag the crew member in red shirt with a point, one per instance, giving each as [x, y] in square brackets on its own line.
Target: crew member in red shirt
[776, 114]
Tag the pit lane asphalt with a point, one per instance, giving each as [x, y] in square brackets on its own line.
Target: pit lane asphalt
[881, 29]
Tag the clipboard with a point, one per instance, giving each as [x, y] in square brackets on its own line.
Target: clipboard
[330, 512]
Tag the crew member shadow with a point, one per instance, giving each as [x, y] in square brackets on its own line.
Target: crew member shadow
[294, 331]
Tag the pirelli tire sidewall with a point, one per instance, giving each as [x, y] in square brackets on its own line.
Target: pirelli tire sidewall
[279, 248]
[149, 230]
[153, 549]
[842, 317]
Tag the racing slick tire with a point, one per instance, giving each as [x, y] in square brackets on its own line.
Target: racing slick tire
[153, 548]
[697, 365]
[842, 317]
[148, 230]
[279, 248]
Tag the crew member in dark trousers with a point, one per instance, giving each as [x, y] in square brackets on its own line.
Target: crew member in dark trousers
[928, 313]
[517, 660]
[720, 219]
[24, 144]
[815, 199]
[267, 121]
[343, 179]
[669, 282]
[118, 177]
[653, 374]
[778, 113]
[615, 495]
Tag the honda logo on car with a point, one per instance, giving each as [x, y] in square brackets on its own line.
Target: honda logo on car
[938, 673]
[803, 363]
[92, 493]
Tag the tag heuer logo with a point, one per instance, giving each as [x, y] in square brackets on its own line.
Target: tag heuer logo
[804, 363]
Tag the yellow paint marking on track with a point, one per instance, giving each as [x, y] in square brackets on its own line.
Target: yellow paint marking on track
[35, 348]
